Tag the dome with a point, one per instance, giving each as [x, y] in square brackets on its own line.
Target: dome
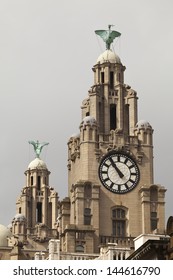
[143, 124]
[19, 217]
[75, 135]
[37, 163]
[88, 120]
[4, 233]
[108, 56]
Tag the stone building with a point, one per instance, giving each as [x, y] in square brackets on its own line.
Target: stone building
[112, 196]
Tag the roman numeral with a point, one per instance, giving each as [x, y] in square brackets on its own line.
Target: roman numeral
[105, 164]
[106, 179]
[132, 181]
[126, 186]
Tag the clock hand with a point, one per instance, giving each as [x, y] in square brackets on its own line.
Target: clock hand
[116, 168]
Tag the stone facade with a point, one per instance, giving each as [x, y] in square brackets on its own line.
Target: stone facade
[93, 221]
[109, 123]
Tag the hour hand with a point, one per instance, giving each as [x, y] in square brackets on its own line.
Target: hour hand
[116, 168]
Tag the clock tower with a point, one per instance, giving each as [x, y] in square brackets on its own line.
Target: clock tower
[112, 197]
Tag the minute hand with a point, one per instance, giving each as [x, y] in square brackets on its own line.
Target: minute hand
[116, 168]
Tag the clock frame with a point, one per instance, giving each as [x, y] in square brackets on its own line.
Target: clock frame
[118, 172]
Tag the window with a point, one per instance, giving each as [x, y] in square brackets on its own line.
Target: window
[101, 116]
[119, 222]
[39, 213]
[87, 216]
[119, 77]
[38, 182]
[126, 119]
[113, 124]
[80, 248]
[111, 80]
[87, 191]
[153, 207]
[153, 220]
[45, 180]
[153, 194]
[31, 180]
[50, 214]
[102, 77]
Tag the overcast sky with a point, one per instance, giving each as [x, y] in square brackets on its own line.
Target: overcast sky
[47, 50]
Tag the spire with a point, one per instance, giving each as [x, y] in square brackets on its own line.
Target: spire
[108, 36]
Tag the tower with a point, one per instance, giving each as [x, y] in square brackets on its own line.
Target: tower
[112, 196]
[35, 222]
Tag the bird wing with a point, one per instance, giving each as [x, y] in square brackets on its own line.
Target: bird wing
[103, 34]
[44, 143]
[32, 142]
[113, 34]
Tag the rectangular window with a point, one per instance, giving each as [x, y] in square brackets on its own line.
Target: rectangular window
[45, 180]
[39, 182]
[102, 77]
[153, 216]
[31, 180]
[87, 216]
[119, 228]
[111, 80]
[39, 213]
[50, 214]
[126, 119]
[113, 117]
[119, 222]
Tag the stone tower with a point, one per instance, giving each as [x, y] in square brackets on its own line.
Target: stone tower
[112, 197]
[36, 208]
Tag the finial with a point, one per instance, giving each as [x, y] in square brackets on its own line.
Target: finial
[38, 147]
[108, 36]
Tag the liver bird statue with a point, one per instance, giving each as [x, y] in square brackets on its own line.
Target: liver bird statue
[108, 36]
[38, 147]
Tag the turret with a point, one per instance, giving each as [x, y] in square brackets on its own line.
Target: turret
[19, 224]
[143, 130]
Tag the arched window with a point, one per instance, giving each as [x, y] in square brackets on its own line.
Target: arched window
[119, 222]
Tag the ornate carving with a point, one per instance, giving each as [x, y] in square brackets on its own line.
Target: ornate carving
[139, 156]
[74, 150]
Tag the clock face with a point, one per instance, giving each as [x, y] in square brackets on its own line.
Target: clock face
[118, 173]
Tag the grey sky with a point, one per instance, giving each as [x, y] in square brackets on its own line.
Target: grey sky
[47, 51]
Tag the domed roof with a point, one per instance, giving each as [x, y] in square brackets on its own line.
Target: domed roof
[108, 56]
[4, 233]
[88, 120]
[75, 135]
[37, 163]
[143, 124]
